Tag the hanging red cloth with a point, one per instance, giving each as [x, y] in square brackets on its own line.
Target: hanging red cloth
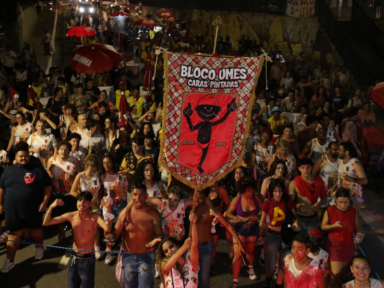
[148, 83]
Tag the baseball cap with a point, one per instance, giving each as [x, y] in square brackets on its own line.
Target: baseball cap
[316, 232]
[276, 109]
[122, 83]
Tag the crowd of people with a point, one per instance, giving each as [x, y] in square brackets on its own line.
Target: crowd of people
[298, 193]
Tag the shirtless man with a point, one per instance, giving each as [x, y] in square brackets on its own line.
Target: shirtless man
[84, 223]
[305, 190]
[140, 226]
[205, 213]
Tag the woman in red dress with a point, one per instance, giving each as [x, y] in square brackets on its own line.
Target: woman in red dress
[342, 223]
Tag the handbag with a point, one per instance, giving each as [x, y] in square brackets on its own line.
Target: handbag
[118, 269]
[287, 232]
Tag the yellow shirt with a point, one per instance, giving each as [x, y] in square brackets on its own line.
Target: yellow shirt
[118, 96]
[137, 106]
[38, 90]
[276, 124]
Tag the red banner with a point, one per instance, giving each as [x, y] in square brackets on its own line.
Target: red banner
[206, 105]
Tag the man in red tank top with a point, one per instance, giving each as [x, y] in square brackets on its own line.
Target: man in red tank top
[306, 190]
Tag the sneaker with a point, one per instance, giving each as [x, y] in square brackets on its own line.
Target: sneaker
[97, 253]
[235, 285]
[108, 258]
[252, 274]
[39, 253]
[8, 265]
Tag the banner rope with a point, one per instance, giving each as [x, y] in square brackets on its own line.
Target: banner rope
[110, 252]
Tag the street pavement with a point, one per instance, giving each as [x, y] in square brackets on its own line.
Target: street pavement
[52, 270]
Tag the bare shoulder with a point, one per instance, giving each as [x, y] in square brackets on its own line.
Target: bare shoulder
[154, 213]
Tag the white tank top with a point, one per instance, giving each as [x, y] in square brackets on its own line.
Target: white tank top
[174, 221]
[81, 133]
[329, 172]
[290, 264]
[116, 183]
[374, 284]
[155, 191]
[45, 143]
[173, 279]
[321, 258]
[348, 170]
[22, 133]
[317, 149]
[79, 155]
[92, 186]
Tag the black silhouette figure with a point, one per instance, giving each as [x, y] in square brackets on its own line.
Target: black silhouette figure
[207, 108]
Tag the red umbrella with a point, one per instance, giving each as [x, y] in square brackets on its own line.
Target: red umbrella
[164, 13]
[145, 22]
[94, 58]
[81, 31]
[119, 13]
[377, 94]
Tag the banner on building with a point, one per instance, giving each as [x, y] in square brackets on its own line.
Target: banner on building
[207, 101]
[300, 8]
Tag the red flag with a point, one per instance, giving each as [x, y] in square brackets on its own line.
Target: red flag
[124, 112]
[31, 94]
[13, 92]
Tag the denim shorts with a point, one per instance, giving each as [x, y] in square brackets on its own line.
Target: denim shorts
[138, 270]
[248, 230]
[81, 272]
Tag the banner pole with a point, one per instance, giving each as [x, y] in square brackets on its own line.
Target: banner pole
[217, 32]
[193, 211]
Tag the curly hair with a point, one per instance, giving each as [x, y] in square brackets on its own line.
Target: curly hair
[139, 172]
[244, 183]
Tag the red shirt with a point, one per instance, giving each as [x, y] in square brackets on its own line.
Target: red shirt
[276, 210]
[346, 218]
[311, 191]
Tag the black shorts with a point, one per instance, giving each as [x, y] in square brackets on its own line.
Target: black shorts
[2, 217]
[17, 224]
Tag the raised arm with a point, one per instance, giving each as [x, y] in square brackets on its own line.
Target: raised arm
[57, 220]
[194, 258]
[154, 201]
[11, 140]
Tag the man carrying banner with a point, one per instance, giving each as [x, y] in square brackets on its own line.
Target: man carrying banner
[205, 213]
